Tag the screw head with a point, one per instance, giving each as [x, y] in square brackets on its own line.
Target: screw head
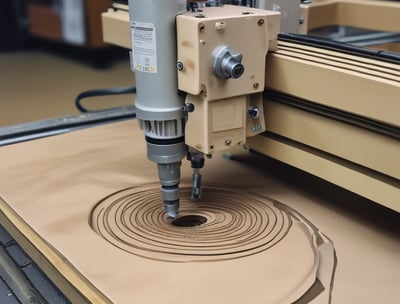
[260, 22]
[179, 66]
[202, 28]
[189, 107]
[254, 112]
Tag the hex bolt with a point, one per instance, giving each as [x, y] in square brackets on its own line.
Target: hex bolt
[260, 22]
[301, 20]
[256, 85]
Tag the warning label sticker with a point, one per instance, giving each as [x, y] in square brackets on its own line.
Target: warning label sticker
[144, 47]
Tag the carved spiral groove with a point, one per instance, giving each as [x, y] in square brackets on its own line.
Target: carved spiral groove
[227, 224]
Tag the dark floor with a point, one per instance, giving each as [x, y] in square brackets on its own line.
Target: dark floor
[43, 80]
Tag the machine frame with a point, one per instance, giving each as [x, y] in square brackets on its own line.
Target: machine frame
[340, 150]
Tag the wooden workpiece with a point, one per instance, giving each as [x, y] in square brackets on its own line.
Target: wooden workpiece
[77, 210]
[53, 196]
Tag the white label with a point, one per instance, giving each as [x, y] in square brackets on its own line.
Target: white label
[144, 47]
[73, 21]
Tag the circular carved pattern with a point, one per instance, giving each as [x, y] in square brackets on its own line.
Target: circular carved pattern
[226, 224]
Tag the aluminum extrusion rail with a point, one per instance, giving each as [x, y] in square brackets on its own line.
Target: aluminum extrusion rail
[50, 127]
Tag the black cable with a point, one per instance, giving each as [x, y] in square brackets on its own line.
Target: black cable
[101, 92]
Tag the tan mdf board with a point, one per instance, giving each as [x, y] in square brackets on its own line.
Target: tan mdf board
[351, 88]
[366, 87]
[365, 65]
[337, 171]
[51, 191]
[360, 146]
[64, 216]
[54, 265]
[116, 29]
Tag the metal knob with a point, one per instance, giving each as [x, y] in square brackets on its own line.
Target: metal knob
[227, 63]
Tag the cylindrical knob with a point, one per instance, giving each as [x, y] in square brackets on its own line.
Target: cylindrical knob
[227, 63]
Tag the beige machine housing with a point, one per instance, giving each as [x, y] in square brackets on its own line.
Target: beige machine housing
[219, 119]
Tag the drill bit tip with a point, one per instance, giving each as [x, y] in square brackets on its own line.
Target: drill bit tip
[171, 208]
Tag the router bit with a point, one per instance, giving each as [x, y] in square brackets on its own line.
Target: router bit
[197, 162]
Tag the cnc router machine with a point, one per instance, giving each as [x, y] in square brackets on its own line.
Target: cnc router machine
[212, 77]
[327, 108]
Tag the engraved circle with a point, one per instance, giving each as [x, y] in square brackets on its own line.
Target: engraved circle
[235, 224]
